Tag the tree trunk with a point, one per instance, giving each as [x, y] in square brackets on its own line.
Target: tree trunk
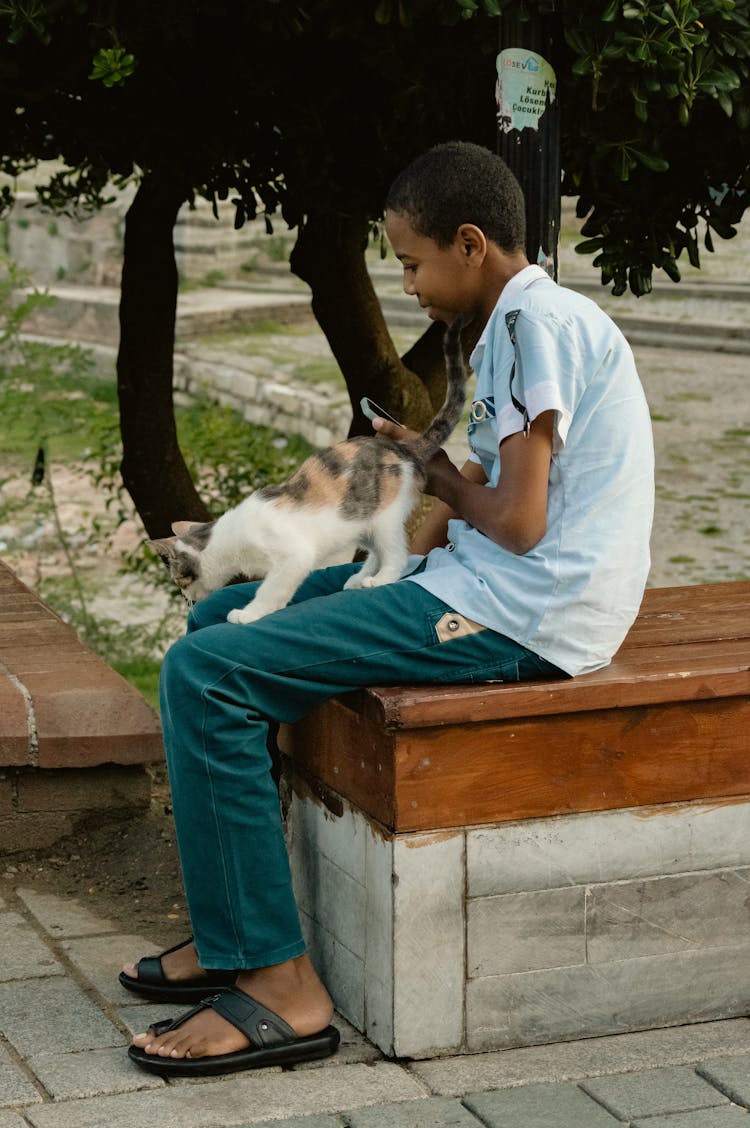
[330, 256]
[153, 469]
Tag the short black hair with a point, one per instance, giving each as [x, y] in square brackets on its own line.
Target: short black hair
[459, 182]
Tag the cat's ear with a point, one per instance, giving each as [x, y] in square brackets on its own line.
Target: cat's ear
[180, 528]
[164, 547]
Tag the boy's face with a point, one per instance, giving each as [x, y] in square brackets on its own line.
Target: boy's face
[439, 277]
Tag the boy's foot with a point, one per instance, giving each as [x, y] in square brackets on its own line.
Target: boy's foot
[174, 976]
[291, 991]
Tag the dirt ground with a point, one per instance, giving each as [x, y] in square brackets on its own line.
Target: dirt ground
[123, 868]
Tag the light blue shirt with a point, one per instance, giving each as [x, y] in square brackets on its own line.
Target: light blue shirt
[574, 596]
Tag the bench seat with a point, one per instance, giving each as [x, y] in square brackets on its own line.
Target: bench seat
[425, 823]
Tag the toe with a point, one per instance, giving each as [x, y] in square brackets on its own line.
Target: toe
[131, 970]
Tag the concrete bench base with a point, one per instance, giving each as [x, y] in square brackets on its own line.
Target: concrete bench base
[602, 884]
[526, 932]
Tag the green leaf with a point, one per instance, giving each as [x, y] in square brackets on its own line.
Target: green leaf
[588, 246]
[648, 160]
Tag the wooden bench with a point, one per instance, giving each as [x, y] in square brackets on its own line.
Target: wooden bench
[489, 866]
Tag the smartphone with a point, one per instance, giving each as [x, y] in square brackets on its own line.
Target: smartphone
[371, 409]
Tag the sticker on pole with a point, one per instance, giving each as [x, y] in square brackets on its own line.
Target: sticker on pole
[525, 82]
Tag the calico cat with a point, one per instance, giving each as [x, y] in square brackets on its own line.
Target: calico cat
[358, 493]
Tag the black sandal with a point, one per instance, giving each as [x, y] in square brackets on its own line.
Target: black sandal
[273, 1040]
[152, 983]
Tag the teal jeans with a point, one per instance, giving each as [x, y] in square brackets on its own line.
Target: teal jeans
[221, 686]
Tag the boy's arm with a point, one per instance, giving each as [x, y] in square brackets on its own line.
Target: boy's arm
[513, 513]
[433, 531]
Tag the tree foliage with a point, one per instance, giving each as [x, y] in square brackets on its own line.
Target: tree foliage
[308, 106]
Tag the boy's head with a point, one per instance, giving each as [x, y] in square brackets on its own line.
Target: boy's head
[457, 183]
[455, 220]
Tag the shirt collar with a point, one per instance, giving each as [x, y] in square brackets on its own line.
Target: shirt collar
[509, 294]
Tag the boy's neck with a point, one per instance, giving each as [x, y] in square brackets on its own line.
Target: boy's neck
[500, 266]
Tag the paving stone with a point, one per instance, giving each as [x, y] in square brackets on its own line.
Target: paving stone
[100, 959]
[53, 1016]
[10, 1120]
[90, 1074]
[61, 916]
[15, 1088]
[570, 1061]
[731, 1076]
[297, 1122]
[435, 1112]
[539, 1106]
[243, 1099]
[728, 1116]
[649, 1092]
[22, 954]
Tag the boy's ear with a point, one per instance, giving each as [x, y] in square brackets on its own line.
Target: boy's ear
[473, 241]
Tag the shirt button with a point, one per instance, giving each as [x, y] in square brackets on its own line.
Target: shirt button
[450, 546]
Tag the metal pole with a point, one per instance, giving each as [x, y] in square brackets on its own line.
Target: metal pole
[528, 134]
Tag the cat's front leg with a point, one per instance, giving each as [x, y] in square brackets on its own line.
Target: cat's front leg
[274, 592]
[248, 614]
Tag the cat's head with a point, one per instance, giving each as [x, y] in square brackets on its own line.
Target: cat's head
[182, 555]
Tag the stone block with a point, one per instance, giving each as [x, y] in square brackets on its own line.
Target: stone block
[731, 1076]
[650, 1092]
[100, 958]
[93, 1073]
[273, 1093]
[668, 914]
[15, 1087]
[87, 789]
[704, 1042]
[7, 792]
[539, 1106]
[22, 954]
[33, 831]
[339, 968]
[328, 893]
[728, 1116]
[295, 1122]
[53, 1016]
[435, 1112]
[61, 916]
[526, 931]
[606, 846]
[428, 943]
[548, 1006]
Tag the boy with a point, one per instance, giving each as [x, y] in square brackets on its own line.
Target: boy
[536, 560]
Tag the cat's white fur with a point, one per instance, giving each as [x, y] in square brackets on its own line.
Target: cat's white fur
[258, 538]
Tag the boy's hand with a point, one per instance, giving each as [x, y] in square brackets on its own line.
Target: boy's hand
[393, 430]
[438, 468]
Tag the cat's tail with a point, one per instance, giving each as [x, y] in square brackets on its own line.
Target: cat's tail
[444, 423]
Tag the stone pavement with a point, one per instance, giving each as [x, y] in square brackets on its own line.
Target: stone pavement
[65, 1023]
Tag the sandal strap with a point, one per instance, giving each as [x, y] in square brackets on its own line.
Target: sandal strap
[149, 969]
[262, 1026]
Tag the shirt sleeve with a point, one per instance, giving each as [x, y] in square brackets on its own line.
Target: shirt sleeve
[546, 376]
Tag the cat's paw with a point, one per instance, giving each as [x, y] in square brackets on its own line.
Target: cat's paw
[370, 582]
[360, 581]
[244, 615]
